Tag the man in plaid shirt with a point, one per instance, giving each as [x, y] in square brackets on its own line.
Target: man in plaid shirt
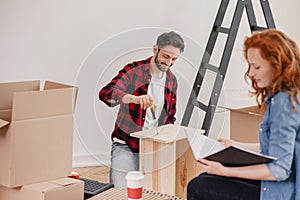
[137, 88]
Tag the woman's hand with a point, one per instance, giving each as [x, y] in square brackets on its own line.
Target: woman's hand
[212, 167]
[226, 142]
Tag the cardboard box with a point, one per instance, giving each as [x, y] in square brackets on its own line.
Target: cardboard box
[36, 132]
[59, 189]
[244, 123]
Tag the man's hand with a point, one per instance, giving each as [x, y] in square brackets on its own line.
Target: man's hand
[145, 101]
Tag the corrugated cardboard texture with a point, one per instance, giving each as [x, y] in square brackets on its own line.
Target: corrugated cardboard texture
[3, 123]
[5, 115]
[37, 144]
[49, 85]
[7, 90]
[244, 124]
[71, 190]
[42, 150]
[38, 104]
[5, 153]
[53, 85]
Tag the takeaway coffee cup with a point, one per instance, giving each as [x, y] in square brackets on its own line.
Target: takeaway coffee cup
[134, 185]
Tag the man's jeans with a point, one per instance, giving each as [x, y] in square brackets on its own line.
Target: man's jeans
[122, 161]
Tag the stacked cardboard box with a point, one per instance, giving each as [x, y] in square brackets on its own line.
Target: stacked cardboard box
[36, 137]
[59, 189]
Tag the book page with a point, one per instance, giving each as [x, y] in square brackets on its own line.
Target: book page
[208, 148]
[203, 146]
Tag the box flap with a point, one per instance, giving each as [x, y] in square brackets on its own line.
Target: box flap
[3, 123]
[7, 90]
[72, 191]
[50, 85]
[54, 85]
[252, 110]
[64, 181]
[52, 184]
[38, 104]
[42, 186]
[5, 114]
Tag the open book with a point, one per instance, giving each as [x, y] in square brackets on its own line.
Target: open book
[210, 149]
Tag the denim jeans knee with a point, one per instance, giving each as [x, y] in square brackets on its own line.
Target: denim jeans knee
[122, 161]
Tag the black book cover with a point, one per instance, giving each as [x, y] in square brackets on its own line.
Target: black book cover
[234, 156]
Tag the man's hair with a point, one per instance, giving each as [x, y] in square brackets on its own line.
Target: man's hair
[170, 38]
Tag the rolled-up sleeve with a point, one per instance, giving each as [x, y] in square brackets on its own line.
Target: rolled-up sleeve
[282, 133]
[115, 90]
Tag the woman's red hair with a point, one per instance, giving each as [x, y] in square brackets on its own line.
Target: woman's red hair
[284, 56]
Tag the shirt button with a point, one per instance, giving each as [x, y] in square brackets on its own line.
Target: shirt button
[260, 129]
[265, 189]
[143, 118]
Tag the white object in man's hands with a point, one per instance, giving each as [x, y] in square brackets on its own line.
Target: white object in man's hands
[210, 149]
[154, 118]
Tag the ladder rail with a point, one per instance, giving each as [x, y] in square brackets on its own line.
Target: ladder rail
[205, 59]
[251, 16]
[223, 66]
[267, 14]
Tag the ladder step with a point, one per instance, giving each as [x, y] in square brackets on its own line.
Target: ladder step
[211, 67]
[257, 28]
[221, 29]
[200, 105]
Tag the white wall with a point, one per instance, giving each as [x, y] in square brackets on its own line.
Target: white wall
[85, 42]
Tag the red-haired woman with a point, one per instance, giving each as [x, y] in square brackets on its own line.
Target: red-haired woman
[274, 71]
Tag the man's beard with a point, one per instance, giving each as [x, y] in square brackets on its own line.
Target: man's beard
[159, 65]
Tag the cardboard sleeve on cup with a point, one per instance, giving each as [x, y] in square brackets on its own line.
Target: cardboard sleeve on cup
[134, 184]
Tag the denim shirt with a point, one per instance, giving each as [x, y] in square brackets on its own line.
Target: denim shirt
[279, 136]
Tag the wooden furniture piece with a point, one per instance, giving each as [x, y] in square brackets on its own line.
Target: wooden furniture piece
[166, 159]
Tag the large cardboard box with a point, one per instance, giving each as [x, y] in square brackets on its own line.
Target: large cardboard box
[59, 189]
[36, 132]
[244, 123]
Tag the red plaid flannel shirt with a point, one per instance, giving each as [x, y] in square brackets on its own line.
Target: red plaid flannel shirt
[134, 79]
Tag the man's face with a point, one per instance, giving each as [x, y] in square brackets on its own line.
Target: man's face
[166, 57]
